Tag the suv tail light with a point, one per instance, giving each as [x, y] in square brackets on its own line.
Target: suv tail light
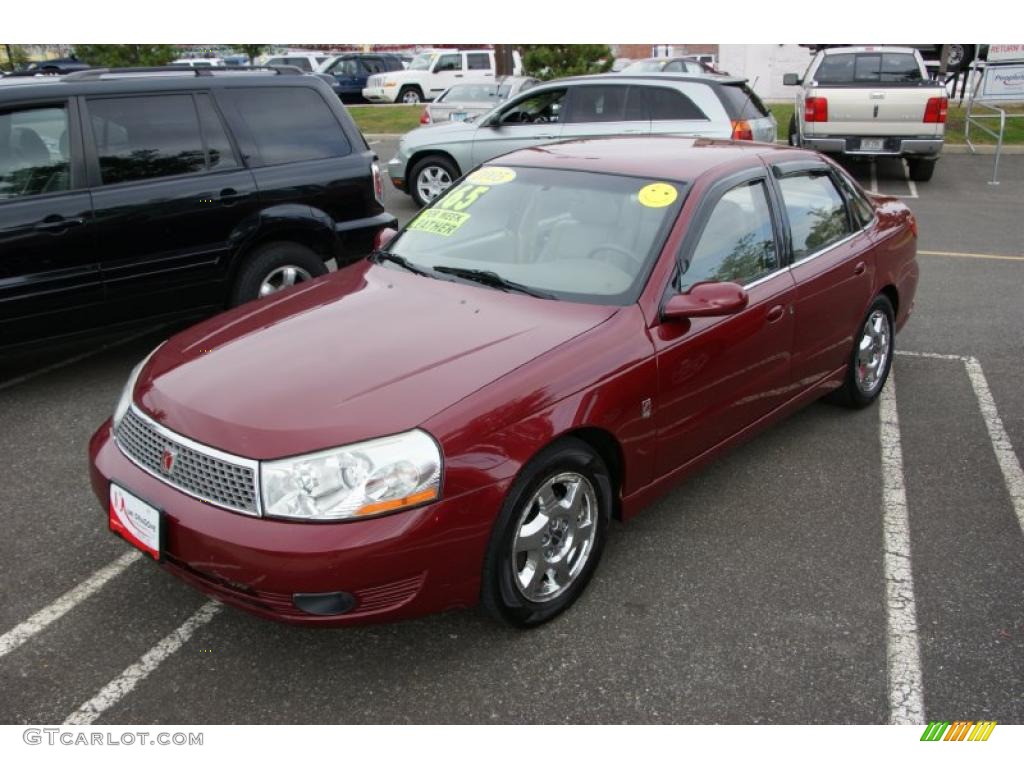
[378, 183]
[741, 131]
[425, 117]
[816, 110]
[935, 110]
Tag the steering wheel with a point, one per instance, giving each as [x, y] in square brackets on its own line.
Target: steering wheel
[616, 249]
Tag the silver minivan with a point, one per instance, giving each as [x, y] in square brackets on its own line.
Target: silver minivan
[431, 158]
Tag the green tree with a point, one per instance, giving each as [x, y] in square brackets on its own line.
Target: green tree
[551, 61]
[133, 55]
[15, 56]
[253, 51]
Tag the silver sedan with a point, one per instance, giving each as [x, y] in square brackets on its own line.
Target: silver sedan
[466, 101]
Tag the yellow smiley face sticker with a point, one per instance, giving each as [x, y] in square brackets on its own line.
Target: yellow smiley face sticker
[491, 175]
[657, 195]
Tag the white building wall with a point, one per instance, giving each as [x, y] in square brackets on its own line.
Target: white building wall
[766, 64]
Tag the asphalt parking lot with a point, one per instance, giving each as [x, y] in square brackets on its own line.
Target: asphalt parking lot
[755, 592]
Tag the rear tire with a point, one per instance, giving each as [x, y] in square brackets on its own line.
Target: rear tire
[543, 553]
[273, 267]
[871, 359]
[794, 132]
[921, 169]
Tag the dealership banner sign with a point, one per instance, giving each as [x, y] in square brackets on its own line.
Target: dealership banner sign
[1003, 83]
[1005, 53]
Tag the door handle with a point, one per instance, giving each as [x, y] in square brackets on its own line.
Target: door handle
[55, 222]
[458, 75]
[775, 313]
[859, 268]
[229, 196]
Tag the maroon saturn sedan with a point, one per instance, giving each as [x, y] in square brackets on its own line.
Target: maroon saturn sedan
[556, 341]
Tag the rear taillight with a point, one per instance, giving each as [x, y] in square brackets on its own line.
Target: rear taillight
[935, 110]
[378, 183]
[425, 117]
[741, 131]
[816, 110]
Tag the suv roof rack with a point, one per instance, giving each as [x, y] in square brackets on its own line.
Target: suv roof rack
[97, 74]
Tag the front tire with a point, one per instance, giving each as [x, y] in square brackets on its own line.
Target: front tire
[410, 94]
[431, 177]
[273, 267]
[871, 359]
[549, 536]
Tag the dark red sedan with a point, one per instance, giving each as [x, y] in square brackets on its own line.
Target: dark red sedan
[561, 338]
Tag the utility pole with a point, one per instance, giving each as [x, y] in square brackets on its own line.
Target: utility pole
[503, 63]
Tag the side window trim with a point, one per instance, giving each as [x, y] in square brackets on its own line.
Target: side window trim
[218, 115]
[710, 200]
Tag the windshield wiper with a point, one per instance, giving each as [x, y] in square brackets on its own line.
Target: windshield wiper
[378, 256]
[493, 280]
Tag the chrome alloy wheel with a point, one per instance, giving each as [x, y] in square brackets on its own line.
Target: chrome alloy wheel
[555, 537]
[432, 181]
[873, 352]
[283, 277]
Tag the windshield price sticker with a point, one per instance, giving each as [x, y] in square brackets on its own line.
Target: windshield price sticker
[439, 222]
[492, 175]
[657, 195]
[460, 198]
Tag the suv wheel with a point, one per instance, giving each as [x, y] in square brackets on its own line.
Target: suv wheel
[273, 267]
[431, 177]
[410, 94]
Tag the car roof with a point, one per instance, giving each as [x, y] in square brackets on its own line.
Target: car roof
[677, 158]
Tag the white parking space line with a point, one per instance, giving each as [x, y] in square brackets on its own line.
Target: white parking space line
[958, 255]
[874, 177]
[1013, 476]
[906, 689]
[76, 358]
[124, 683]
[911, 184]
[1006, 456]
[39, 621]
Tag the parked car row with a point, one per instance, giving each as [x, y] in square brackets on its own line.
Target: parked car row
[431, 73]
[127, 197]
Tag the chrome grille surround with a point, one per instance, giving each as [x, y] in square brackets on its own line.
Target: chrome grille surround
[215, 477]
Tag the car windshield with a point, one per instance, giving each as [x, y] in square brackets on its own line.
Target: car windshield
[478, 93]
[422, 61]
[572, 235]
[653, 65]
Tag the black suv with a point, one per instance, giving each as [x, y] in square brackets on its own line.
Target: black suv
[130, 194]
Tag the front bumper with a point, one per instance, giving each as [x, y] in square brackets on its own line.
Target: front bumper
[398, 566]
[893, 145]
[396, 172]
[380, 95]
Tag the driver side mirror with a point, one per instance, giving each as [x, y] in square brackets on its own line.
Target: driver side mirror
[706, 300]
[791, 78]
[383, 237]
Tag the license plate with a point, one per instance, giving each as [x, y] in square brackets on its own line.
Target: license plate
[872, 145]
[135, 521]
[457, 117]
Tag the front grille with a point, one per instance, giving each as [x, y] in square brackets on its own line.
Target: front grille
[195, 471]
[374, 81]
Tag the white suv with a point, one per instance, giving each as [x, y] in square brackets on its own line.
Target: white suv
[431, 73]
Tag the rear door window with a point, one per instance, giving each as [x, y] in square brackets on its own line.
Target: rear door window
[598, 104]
[290, 124]
[146, 137]
[816, 213]
[478, 61]
[34, 156]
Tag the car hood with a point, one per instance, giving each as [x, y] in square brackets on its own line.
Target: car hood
[364, 352]
[439, 133]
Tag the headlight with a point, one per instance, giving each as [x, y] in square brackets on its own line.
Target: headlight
[126, 394]
[357, 480]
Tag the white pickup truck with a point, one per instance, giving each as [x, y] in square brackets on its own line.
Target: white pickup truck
[870, 100]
